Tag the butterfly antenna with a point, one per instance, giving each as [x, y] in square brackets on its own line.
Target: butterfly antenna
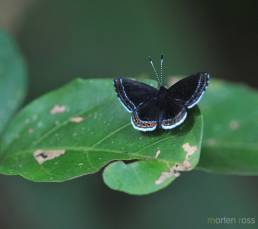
[154, 69]
[161, 69]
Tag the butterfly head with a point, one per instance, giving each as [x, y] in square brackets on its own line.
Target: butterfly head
[159, 77]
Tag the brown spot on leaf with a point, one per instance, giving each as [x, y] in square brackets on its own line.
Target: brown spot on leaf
[189, 149]
[164, 176]
[173, 171]
[186, 165]
[167, 174]
[76, 119]
[42, 156]
[30, 131]
[178, 167]
[58, 109]
[234, 125]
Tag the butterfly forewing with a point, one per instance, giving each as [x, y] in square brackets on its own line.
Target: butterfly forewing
[132, 93]
[190, 89]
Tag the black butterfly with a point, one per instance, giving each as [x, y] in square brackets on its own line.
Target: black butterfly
[164, 108]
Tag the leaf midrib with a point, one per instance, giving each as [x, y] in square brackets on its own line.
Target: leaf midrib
[90, 149]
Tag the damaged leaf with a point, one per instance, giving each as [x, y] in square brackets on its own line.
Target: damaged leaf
[12, 79]
[143, 177]
[138, 178]
[42, 156]
[75, 131]
[230, 143]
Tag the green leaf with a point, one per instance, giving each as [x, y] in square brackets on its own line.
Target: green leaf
[12, 79]
[81, 127]
[138, 177]
[230, 142]
[143, 177]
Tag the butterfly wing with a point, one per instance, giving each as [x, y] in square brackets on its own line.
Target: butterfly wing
[132, 93]
[146, 116]
[190, 90]
[173, 114]
[150, 115]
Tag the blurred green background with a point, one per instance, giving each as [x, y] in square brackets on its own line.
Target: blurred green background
[62, 40]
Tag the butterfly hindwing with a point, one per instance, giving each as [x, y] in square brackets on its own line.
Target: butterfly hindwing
[149, 115]
[190, 89]
[132, 93]
[173, 114]
[146, 116]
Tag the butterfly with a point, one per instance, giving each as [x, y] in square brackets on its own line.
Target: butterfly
[160, 108]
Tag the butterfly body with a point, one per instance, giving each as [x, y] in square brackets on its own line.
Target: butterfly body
[164, 108]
